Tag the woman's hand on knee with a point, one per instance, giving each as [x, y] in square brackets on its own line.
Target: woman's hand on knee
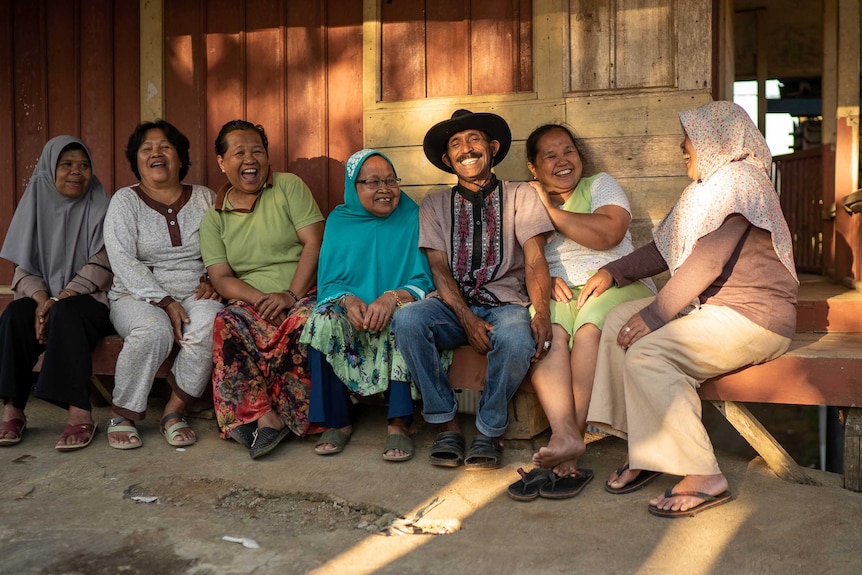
[634, 329]
[596, 285]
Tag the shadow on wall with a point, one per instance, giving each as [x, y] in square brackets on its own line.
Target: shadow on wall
[324, 176]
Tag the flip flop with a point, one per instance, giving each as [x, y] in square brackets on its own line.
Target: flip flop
[172, 433]
[400, 442]
[334, 437]
[567, 486]
[485, 453]
[266, 439]
[709, 501]
[527, 488]
[87, 430]
[115, 427]
[244, 434]
[640, 480]
[448, 449]
[16, 426]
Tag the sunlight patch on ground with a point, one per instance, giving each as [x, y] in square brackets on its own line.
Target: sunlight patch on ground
[706, 537]
[377, 551]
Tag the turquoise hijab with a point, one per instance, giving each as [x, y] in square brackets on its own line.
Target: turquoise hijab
[366, 255]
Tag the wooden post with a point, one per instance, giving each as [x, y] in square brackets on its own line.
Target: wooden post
[853, 450]
[152, 60]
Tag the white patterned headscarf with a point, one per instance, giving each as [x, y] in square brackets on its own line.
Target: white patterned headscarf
[734, 165]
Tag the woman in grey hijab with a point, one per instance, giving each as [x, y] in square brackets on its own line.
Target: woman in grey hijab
[60, 284]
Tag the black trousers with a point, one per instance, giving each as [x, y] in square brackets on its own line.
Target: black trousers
[75, 324]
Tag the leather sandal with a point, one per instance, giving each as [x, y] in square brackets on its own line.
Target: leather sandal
[485, 453]
[115, 425]
[85, 430]
[448, 449]
[16, 426]
[334, 437]
[400, 442]
[172, 433]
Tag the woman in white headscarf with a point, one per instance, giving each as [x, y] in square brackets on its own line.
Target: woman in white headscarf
[60, 284]
[730, 303]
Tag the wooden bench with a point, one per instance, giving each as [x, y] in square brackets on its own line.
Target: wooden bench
[818, 369]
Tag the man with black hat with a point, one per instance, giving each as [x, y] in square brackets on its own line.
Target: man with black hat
[485, 242]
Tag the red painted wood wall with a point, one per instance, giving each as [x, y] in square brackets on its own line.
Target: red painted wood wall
[66, 67]
[293, 67]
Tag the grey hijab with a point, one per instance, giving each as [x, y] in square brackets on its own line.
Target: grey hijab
[53, 236]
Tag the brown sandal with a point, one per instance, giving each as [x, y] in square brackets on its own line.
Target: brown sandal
[83, 430]
[16, 426]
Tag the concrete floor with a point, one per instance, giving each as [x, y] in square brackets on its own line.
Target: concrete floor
[75, 512]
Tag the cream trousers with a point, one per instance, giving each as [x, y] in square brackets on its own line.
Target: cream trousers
[648, 393]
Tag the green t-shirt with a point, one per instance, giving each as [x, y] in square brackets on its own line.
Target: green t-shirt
[261, 246]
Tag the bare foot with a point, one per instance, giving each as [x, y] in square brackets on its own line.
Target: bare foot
[324, 447]
[561, 454]
[122, 437]
[397, 427]
[710, 484]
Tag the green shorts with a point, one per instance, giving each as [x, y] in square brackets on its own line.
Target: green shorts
[595, 309]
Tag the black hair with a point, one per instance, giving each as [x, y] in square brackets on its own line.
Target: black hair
[536, 135]
[174, 136]
[233, 126]
[74, 146]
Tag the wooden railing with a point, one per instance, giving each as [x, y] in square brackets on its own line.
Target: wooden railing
[798, 179]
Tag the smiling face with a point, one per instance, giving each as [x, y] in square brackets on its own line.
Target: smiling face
[471, 154]
[558, 164]
[158, 161]
[383, 201]
[690, 156]
[245, 161]
[73, 173]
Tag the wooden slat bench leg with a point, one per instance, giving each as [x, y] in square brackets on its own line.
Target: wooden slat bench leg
[853, 449]
[762, 441]
[100, 387]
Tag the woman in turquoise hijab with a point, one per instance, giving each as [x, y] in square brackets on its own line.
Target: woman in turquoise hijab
[370, 267]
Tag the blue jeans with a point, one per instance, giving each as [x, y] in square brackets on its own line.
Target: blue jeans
[427, 326]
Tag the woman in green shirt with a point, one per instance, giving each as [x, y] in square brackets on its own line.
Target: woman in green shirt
[260, 244]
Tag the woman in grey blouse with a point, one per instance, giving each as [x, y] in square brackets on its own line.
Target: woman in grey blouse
[60, 285]
[160, 296]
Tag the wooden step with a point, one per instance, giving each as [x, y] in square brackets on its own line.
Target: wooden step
[824, 306]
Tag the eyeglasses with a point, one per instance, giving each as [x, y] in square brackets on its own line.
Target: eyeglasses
[377, 184]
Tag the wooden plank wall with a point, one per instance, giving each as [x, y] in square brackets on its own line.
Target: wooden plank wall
[619, 89]
[71, 68]
[289, 66]
[437, 48]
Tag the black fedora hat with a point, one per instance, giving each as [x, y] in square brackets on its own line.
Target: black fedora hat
[438, 136]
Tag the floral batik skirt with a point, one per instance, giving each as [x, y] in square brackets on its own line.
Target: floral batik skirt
[366, 362]
[259, 367]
